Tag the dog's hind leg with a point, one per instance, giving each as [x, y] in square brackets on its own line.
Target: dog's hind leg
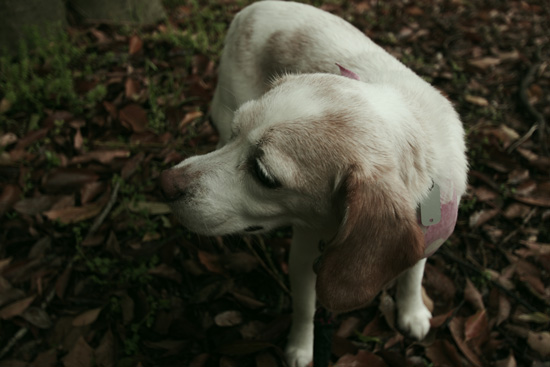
[413, 317]
[303, 252]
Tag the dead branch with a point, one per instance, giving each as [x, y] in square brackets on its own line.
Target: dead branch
[524, 98]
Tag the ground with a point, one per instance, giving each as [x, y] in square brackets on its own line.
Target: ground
[94, 271]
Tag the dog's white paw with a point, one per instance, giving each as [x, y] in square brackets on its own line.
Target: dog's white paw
[299, 348]
[299, 355]
[414, 320]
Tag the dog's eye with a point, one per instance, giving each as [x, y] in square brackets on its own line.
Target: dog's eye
[265, 178]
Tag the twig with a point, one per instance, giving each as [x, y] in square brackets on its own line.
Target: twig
[266, 268]
[523, 139]
[524, 98]
[475, 269]
[49, 297]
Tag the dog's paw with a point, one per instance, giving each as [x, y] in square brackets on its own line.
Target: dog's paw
[299, 351]
[414, 321]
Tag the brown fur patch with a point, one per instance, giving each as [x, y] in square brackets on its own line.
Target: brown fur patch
[378, 239]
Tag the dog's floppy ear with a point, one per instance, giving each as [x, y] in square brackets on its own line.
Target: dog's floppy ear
[378, 238]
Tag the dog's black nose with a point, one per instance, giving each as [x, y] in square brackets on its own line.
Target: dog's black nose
[172, 183]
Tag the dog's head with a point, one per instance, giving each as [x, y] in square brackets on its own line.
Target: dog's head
[314, 151]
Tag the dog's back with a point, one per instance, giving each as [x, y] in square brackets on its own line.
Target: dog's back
[269, 39]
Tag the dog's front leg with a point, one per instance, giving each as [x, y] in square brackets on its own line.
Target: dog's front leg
[304, 250]
[413, 317]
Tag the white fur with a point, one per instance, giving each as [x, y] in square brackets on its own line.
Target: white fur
[278, 99]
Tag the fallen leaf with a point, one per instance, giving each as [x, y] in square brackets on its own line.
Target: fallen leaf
[211, 262]
[443, 354]
[189, 117]
[63, 179]
[266, 359]
[482, 216]
[87, 317]
[10, 195]
[134, 118]
[485, 62]
[238, 262]
[167, 272]
[102, 156]
[228, 318]
[81, 355]
[7, 139]
[132, 87]
[152, 208]
[37, 317]
[508, 362]
[456, 326]
[16, 308]
[132, 165]
[479, 101]
[104, 354]
[476, 328]
[75, 214]
[539, 342]
[363, 358]
[473, 296]
[135, 45]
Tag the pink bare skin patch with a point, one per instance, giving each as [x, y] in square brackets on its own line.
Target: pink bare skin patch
[436, 235]
[347, 73]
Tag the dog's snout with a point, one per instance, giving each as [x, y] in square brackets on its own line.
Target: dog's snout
[173, 183]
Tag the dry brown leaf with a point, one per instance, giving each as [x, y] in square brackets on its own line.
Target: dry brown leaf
[443, 354]
[104, 354]
[477, 100]
[363, 358]
[16, 308]
[153, 208]
[476, 329]
[456, 326]
[87, 317]
[189, 118]
[134, 118]
[473, 296]
[211, 262]
[75, 214]
[37, 317]
[90, 191]
[46, 359]
[8, 294]
[102, 156]
[539, 342]
[135, 45]
[485, 62]
[63, 179]
[132, 87]
[516, 210]
[10, 195]
[238, 262]
[167, 272]
[387, 308]
[81, 355]
[482, 216]
[62, 282]
[266, 359]
[508, 362]
[348, 327]
[504, 309]
[7, 139]
[228, 318]
[131, 166]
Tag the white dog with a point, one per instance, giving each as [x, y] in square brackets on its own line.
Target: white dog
[361, 165]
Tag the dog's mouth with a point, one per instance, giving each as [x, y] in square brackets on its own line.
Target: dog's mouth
[253, 229]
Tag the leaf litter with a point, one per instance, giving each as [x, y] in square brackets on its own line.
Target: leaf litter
[93, 263]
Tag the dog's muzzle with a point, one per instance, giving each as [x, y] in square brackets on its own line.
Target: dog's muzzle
[173, 183]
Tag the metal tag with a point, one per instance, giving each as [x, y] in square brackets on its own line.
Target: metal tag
[430, 208]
